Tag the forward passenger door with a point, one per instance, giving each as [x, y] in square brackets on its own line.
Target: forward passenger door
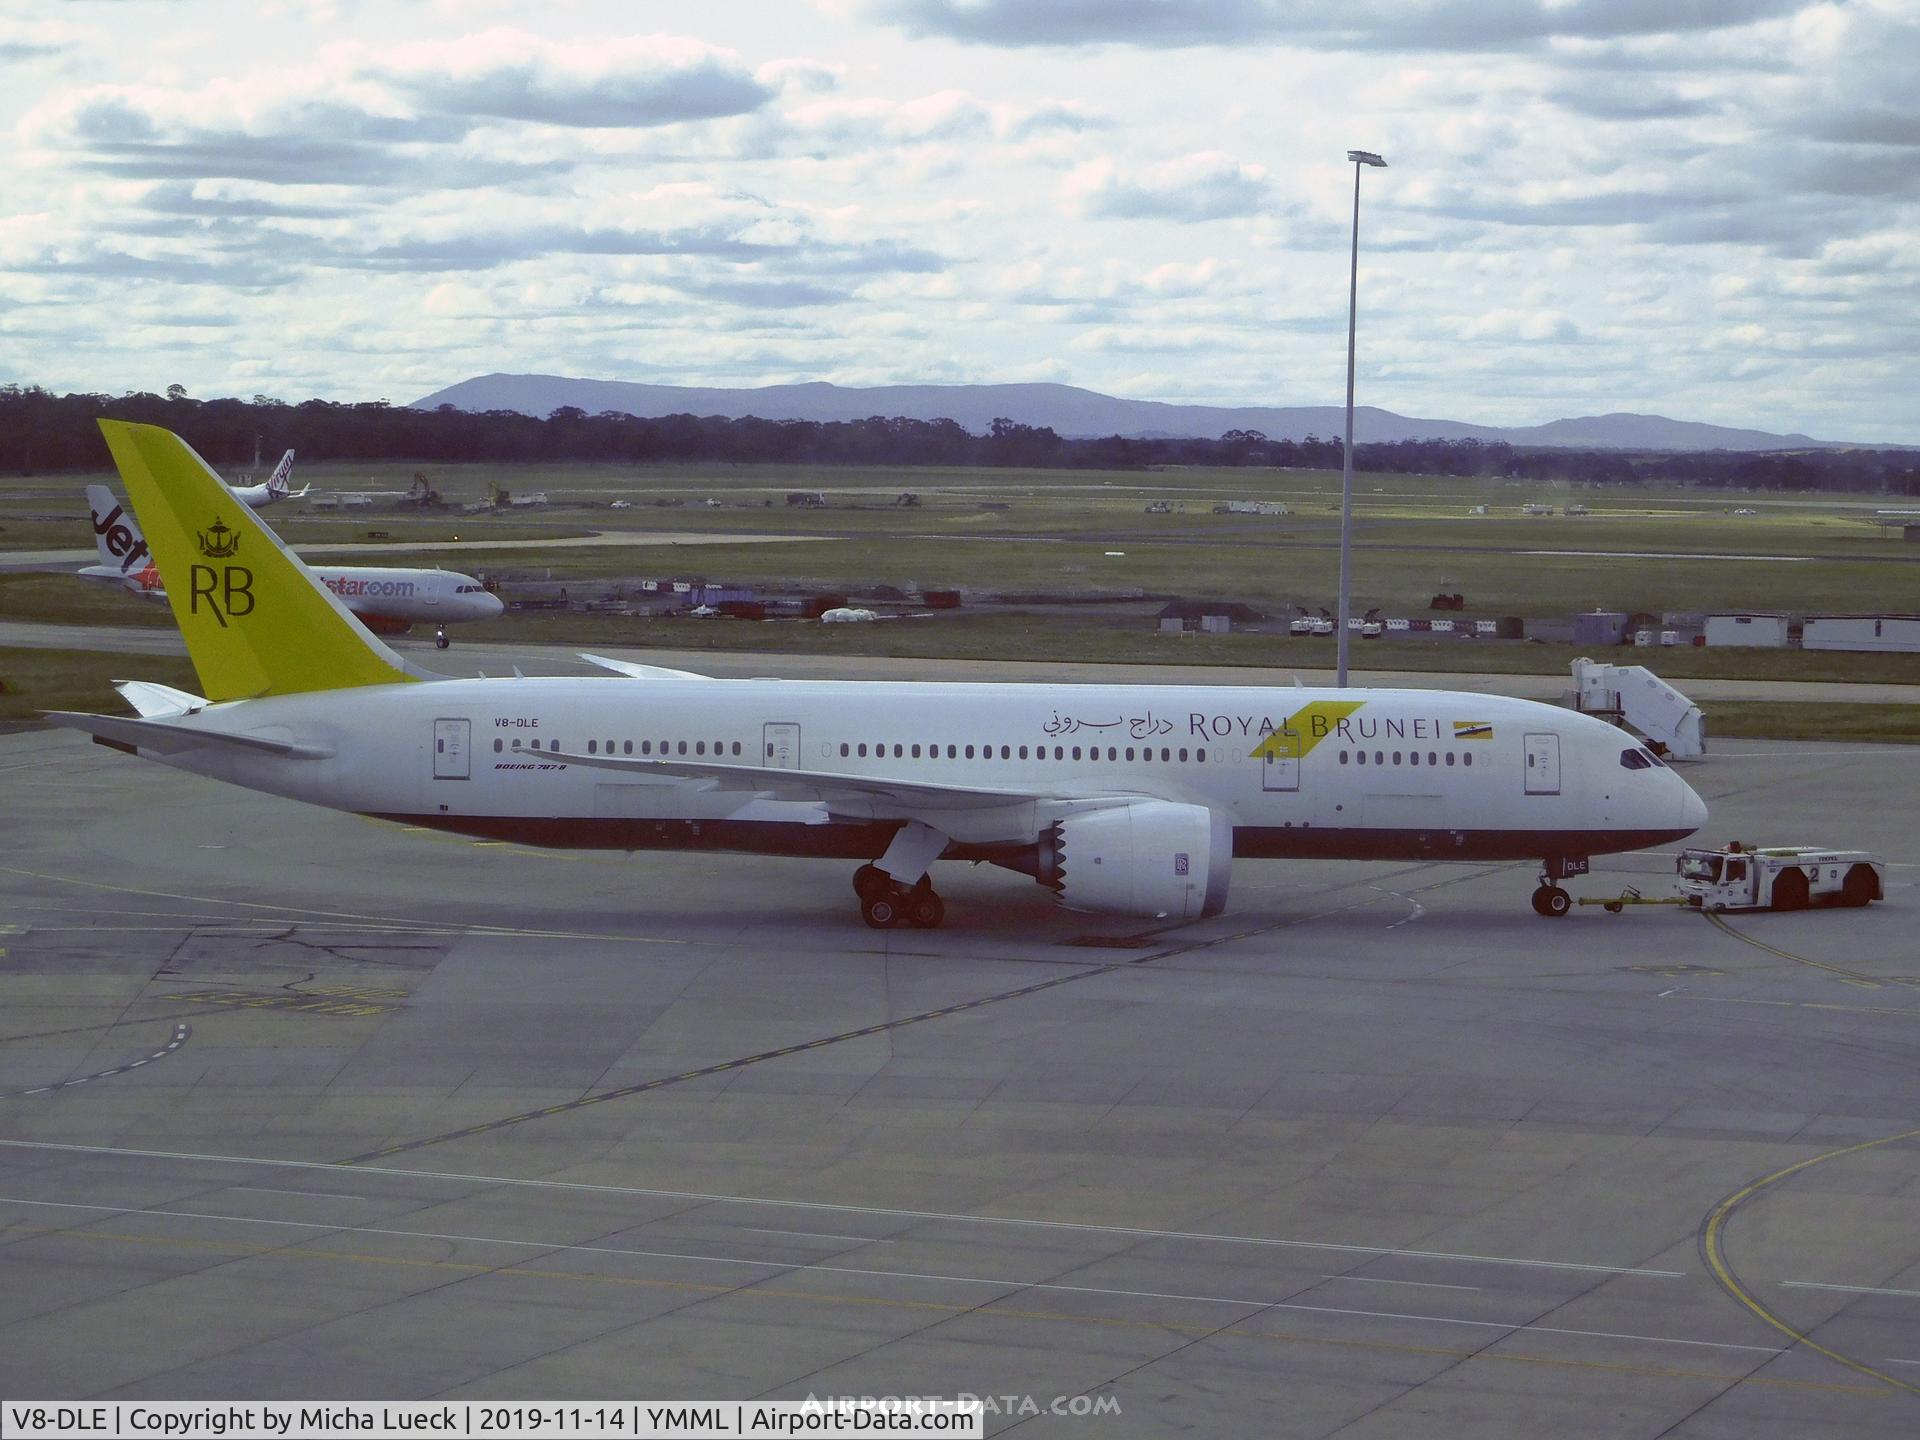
[1543, 764]
[780, 746]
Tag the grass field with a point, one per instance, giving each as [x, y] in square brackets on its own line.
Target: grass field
[989, 532]
[1273, 577]
[35, 680]
[1794, 720]
[1123, 636]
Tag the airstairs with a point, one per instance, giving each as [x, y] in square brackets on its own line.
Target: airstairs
[1633, 695]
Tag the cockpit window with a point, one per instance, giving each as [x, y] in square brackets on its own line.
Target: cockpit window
[1634, 759]
[1654, 760]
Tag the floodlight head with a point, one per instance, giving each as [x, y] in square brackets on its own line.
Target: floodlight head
[1366, 157]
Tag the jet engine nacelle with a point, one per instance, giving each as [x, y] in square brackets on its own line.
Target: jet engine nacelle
[1147, 857]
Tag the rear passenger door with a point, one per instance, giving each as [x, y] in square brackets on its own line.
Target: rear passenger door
[450, 745]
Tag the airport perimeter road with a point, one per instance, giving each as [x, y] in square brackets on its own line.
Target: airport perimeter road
[471, 656]
[298, 1105]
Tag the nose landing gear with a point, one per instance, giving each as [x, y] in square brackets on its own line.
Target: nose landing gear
[440, 640]
[1549, 899]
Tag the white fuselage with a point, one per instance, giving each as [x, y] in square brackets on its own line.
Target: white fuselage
[1297, 772]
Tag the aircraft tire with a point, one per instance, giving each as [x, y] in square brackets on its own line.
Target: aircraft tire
[869, 881]
[1790, 891]
[1551, 901]
[882, 912]
[925, 910]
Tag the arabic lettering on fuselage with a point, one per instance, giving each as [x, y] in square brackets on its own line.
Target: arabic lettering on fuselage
[1140, 727]
[1225, 727]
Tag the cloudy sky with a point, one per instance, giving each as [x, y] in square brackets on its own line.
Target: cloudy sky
[1702, 208]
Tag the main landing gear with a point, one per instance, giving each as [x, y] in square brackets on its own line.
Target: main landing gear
[885, 903]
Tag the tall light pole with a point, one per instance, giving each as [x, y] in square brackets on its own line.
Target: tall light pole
[1341, 635]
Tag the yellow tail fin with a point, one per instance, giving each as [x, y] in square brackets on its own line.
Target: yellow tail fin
[255, 620]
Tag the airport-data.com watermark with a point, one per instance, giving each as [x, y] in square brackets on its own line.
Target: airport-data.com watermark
[1005, 1406]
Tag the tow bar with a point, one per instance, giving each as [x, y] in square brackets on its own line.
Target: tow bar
[1614, 904]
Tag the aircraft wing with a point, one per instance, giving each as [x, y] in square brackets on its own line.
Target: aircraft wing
[857, 793]
[641, 672]
[165, 738]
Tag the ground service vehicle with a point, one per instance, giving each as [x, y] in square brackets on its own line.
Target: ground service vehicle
[1779, 877]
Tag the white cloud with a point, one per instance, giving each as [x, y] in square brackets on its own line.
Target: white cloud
[1701, 206]
[1203, 186]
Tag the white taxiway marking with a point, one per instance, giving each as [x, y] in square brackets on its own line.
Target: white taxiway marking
[817, 1235]
[1423, 1284]
[1242, 1302]
[316, 1194]
[827, 1207]
[1852, 1290]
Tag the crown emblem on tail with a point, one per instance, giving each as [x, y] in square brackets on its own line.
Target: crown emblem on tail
[217, 542]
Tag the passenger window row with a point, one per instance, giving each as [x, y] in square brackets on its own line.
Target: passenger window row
[1434, 758]
[1167, 754]
[646, 747]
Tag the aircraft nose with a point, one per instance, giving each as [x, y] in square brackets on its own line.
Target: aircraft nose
[1693, 810]
[494, 605]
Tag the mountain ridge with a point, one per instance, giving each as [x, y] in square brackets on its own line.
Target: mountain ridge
[1073, 411]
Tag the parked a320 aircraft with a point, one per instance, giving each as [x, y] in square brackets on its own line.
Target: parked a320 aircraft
[389, 599]
[1132, 799]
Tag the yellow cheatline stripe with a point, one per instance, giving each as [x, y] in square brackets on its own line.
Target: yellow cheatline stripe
[1713, 1251]
[1298, 733]
[975, 1309]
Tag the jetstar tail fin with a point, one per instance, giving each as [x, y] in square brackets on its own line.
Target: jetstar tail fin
[255, 619]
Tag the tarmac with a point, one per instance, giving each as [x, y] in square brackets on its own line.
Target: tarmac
[298, 1105]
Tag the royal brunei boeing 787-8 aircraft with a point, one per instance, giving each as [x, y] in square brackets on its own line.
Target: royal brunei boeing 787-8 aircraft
[1130, 799]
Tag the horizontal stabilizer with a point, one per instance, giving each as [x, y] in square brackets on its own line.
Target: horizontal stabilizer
[641, 672]
[153, 699]
[166, 738]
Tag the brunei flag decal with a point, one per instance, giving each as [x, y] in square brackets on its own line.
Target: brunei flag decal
[1473, 730]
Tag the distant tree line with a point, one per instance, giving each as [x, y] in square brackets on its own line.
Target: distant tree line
[41, 432]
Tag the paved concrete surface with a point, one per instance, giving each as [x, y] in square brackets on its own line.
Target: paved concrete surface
[297, 1105]
[471, 655]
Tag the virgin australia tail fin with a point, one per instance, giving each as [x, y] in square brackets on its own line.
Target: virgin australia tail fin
[256, 622]
[280, 483]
